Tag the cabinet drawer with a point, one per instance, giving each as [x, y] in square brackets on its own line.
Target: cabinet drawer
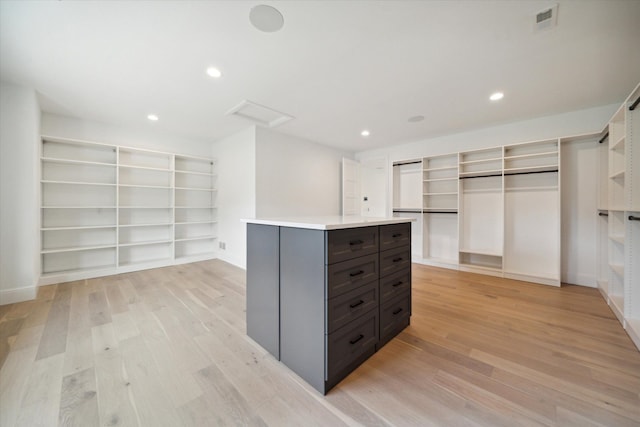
[394, 260]
[347, 307]
[393, 314]
[348, 275]
[349, 342]
[395, 235]
[351, 243]
[395, 284]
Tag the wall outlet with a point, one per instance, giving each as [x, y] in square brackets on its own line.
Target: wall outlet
[222, 245]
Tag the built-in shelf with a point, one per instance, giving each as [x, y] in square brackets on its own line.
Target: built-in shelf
[196, 189]
[83, 227]
[76, 162]
[146, 243]
[532, 155]
[619, 144]
[159, 224]
[79, 183]
[189, 239]
[618, 269]
[161, 209]
[77, 249]
[617, 175]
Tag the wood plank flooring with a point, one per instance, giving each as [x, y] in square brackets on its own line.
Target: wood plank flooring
[167, 347]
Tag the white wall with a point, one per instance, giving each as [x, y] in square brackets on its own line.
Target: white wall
[236, 156]
[579, 181]
[573, 123]
[149, 137]
[19, 193]
[296, 177]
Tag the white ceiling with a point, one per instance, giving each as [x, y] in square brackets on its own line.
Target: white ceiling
[337, 66]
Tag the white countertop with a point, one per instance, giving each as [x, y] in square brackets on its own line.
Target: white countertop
[334, 222]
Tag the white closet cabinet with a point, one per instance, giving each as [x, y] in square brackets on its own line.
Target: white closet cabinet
[532, 212]
[493, 211]
[108, 209]
[619, 253]
[407, 199]
[440, 209]
[481, 215]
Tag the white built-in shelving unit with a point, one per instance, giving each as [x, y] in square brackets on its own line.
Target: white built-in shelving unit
[619, 215]
[440, 209]
[494, 211]
[481, 215]
[108, 209]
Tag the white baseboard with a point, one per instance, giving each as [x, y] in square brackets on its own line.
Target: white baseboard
[11, 296]
[580, 279]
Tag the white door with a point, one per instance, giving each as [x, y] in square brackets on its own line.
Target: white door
[374, 187]
[350, 187]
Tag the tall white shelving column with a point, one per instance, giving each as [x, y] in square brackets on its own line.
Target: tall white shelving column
[632, 218]
[195, 208]
[532, 212]
[407, 199]
[440, 210]
[78, 206]
[481, 211]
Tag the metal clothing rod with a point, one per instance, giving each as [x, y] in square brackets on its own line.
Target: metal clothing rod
[606, 135]
[407, 163]
[634, 218]
[602, 214]
[526, 173]
[635, 104]
[406, 211]
[480, 176]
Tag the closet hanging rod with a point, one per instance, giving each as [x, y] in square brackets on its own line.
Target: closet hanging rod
[527, 173]
[407, 163]
[480, 176]
[634, 218]
[635, 104]
[407, 211]
[603, 214]
[606, 135]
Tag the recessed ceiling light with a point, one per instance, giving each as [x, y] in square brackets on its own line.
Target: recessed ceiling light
[415, 119]
[152, 117]
[214, 72]
[365, 133]
[266, 18]
[496, 96]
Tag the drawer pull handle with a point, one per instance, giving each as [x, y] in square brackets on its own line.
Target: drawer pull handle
[397, 235]
[356, 242]
[355, 340]
[395, 285]
[397, 259]
[354, 305]
[396, 311]
[357, 273]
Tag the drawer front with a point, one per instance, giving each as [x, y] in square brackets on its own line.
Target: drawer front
[395, 260]
[394, 285]
[347, 307]
[393, 313]
[351, 243]
[395, 235]
[348, 275]
[348, 343]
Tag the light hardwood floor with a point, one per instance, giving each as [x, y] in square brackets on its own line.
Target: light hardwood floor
[167, 347]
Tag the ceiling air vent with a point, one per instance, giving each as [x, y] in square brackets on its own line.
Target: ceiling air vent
[259, 114]
[546, 19]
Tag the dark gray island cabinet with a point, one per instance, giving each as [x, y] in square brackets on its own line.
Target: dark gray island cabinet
[324, 294]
